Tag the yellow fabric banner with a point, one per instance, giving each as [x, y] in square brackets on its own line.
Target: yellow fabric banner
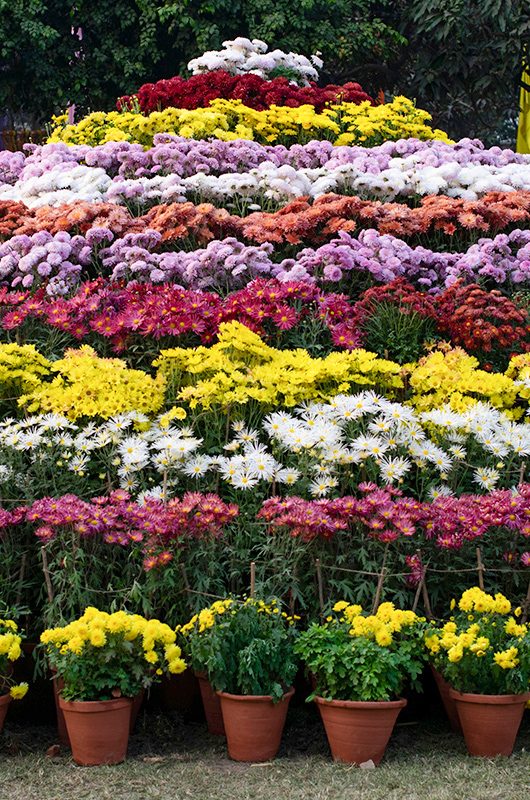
[523, 132]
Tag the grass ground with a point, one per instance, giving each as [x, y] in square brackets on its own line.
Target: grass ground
[172, 760]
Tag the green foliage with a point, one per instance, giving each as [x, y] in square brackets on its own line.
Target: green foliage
[45, 65]
[248, 650]
[397, 334]
[464, 60]
[350, 665]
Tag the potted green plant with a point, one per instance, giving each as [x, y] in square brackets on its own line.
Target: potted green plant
[191, 636]
[102, 662]
[483, 652]
[360, 664]
[10, 651]
[249, 658]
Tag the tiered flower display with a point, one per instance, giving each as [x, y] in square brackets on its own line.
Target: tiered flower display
[250, 324]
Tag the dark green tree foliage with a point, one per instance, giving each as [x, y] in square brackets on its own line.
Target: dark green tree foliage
[53, 53]
[350, 34]
[464, 61]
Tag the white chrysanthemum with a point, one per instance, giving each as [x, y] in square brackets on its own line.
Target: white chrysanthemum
[486, 477]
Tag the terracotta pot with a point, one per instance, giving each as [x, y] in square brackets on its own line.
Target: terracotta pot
[490, 722]
[212, 706]
[135, 708]
[253, 724]
[5, 700]
[58, 686]
[359, 731]
[98, 730]
[448, 702]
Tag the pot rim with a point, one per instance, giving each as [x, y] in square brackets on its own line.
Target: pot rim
[94, 706]
[489, 699]
[5, 699]
[362, 704]
[255, 698]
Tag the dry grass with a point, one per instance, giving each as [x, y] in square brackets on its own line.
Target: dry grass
[170, 760]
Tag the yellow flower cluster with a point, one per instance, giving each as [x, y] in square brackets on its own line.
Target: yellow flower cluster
[10, 650]
[205, 619]
[476, 599]
[87, 386]
[240, 367]
[343, 124]
[21, 369]
[380, 626]
[480, 609]
[96, 629]
[452, 376]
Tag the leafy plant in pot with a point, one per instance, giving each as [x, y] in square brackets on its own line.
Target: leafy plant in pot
[360, 664]
[10, 651]
[248, 654]
[103, 661]
[483, 652]
[191, 637]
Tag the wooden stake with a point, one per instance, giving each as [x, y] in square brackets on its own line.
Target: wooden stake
[252, 578]
[480, 569]
[381, 580]
[46, 570]
[426, 601]
[320, 586]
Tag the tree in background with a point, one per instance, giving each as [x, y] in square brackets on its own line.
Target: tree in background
[464, 62]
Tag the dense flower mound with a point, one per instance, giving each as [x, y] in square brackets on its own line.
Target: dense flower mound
[343, 123]
[253, 90]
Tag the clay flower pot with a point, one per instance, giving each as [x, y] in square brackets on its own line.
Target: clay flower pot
[5, 700]
[490, 722]
[212, 706]
[359, 731]
[253, 724]
[448, 702]
[98, 730]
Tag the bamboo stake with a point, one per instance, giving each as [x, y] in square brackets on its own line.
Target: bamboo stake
[426, 601]
[480, 569]
[46, 570]
[381, 580]
[252, 578]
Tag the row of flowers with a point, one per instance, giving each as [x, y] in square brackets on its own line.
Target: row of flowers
[264, 187]
[343, 124]
[247, 653]
[241, 371]
[253, 90]
[157, 529]
[299, 222]
[175, 155]
[60, 262]
[487, 324]
[318, 450]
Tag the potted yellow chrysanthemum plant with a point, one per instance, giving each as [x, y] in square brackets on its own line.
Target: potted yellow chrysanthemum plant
[102, 662]
[10, 651]
[483, 652]
[360, 664]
